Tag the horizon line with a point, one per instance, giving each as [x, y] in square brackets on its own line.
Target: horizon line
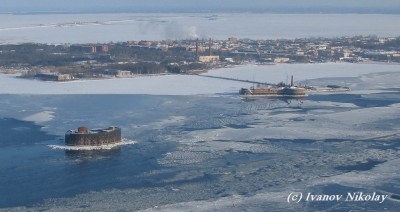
[197, 12]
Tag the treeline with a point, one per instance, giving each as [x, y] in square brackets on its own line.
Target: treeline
[38, 59]
[43, 55]
[139, 68]
[61, 55]
[184, 68]
[157, 68]
[123, 52]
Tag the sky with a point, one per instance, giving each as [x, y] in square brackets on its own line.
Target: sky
[279, 6]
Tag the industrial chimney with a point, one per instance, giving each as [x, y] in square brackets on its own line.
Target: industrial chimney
[209, 47]
[197, 49]
[291, 82]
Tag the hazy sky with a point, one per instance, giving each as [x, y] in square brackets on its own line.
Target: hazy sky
[358, 6]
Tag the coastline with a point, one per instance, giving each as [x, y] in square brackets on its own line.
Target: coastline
[190, 84]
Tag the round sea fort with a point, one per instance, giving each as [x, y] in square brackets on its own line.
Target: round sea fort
[94, 137]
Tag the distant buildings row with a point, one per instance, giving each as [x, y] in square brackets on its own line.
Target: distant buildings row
[278, 51]
[90, 48]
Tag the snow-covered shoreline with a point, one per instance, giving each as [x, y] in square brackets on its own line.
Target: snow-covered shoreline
[192, 84]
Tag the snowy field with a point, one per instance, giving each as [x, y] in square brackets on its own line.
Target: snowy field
[92, 28]
[153, 85]
[196, 145]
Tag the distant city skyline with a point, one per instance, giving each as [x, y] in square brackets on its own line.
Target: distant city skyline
[282, 6]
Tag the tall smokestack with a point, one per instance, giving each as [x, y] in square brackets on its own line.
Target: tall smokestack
[197, 49]
[209, 47]
[291, 82]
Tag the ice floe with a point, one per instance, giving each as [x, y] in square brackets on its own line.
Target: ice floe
[40, 117]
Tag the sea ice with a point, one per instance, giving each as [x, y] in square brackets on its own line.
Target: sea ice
[40, 117]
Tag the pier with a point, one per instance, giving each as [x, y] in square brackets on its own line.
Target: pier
[237, 80]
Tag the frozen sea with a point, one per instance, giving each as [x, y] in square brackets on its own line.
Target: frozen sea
[91, 28]
[196, 145]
